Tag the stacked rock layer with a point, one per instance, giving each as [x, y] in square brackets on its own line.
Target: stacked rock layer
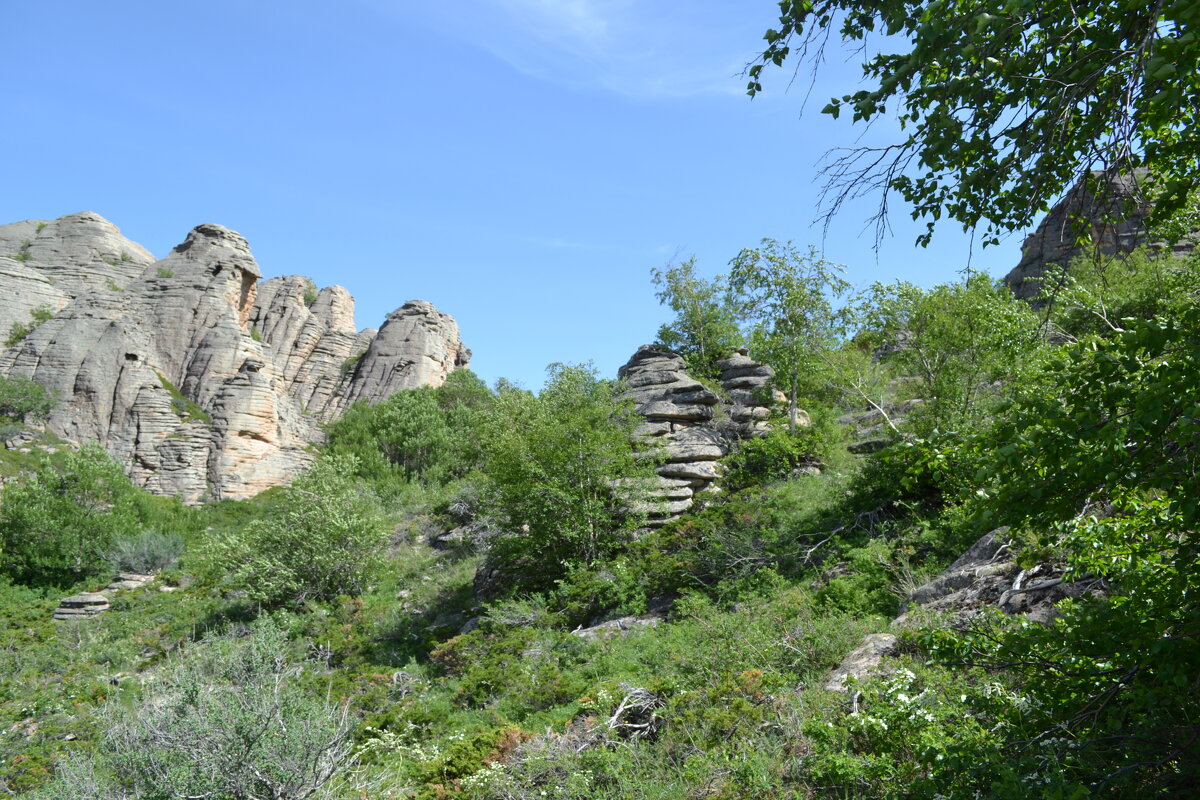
[203, 381]
[750, 396]
[690, 422]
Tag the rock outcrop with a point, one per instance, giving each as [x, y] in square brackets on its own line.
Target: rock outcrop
[692, 424]
[986, 575]
[678, 411]
[204, 382]
[747, 383]
[1086, 222]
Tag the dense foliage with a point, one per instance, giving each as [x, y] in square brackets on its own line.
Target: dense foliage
[227, 721]
[705, 328]
[322, 538]
[427, 435]
[59, 523]
[555, 466]
[405, 620]
[1003, 106]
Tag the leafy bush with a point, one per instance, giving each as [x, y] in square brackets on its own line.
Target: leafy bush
[148, 552]
[553, 465]
[428, 435]
[57, 526]
[705, 327]
[778, 454]
[958, 340]
[183, 405]
[323, 538]
[1097, 294]
[23, 400]
[20, 330]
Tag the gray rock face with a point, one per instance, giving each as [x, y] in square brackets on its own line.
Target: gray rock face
[747, 382]
[1075, 218]
[417, 346]
[678, 411]
[985, 576]
[202, 386]
[79, 606]
[691, 423]
[862, 661]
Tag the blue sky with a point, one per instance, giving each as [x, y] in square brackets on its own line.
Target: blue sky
[521, 164]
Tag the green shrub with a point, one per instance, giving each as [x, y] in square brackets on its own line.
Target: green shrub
[226, 719]
[23, 400]
[20, 330]
[184, 406]
[323, 538]
[957, 341]
[147, 552]
[424, 435]
[778, 454]
[553, 464]
[57, 526]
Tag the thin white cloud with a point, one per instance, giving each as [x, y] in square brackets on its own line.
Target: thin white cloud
[582, 19]
[636, 48]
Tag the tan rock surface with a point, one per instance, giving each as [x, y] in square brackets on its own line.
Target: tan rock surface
[205, 383]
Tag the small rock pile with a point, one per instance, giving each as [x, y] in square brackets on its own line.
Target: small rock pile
[77, 606]
[89, 604]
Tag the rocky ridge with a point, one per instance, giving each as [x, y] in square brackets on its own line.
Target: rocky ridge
[204, 381]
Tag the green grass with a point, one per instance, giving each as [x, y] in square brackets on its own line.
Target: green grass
[185, 407]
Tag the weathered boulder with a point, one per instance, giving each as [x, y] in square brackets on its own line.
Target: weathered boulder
[693, 425]
[417, 346]
[862, 661]
[985, 575]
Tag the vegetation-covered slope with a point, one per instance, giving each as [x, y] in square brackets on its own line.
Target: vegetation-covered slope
[330, 639]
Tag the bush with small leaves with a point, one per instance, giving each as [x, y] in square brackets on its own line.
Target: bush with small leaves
[226, 719]
[147, 552]
[322, 539]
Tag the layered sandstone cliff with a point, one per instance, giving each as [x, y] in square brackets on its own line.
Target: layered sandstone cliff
[206, 382]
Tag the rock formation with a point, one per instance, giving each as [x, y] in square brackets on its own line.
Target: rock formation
[690, 422]
[205, 383]
[1084, 222]
[987, 575]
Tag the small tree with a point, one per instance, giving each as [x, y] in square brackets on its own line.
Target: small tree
[787, 298]
[323, 539]
[23, 400]
[957, 340]
[427, 435]
[705, 327]
[553, 465]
